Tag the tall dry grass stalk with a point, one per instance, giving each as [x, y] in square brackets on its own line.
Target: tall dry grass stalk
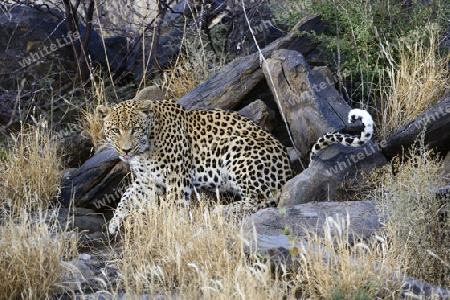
[31, 169]
[419, 224]
[31, 246]
[92, 124]
[333, 267]
[417, 81]
[194, 65]
[31, 252]
[196, 254]
[203, 254]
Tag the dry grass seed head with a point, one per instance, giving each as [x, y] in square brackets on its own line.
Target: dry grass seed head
[418, 81]
[420, 226]
[332, 267]
[31, 170]
[197, 252]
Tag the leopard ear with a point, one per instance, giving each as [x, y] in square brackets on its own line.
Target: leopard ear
[145, 106]
[103, 111]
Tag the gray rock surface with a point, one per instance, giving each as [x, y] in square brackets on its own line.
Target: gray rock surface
[150, 93]
[86, 222]
[307, 97]
[359, 217]
[336, 173]
[97, 184]
[258, 112]
[75, 149]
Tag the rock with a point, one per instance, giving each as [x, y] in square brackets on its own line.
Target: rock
[8, 118]
[357, 218]
[118, 44]
[152, 92]
[415, 289]
[258, 112]
[271, 223]
[283, 231]
[34, 39]
[307, 97]
[86, 222]
[436, 123]
[98, 184]
[446, 169]
[75, 149]
[232, 83]
[24, 31]
[335, 174]
[89, 276]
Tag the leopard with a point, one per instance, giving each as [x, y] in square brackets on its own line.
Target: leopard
[347, 139]
[173, 152]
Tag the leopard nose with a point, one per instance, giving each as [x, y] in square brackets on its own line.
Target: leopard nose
[126, 151]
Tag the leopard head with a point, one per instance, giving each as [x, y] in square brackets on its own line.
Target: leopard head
[126, 127]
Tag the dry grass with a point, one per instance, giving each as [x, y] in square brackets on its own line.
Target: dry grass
[193, 254]
[417, 81]
[92, 125]
[419, 225]
[31, 169]
[31, 246]
[194, 65]
[202, 254]
[331, 267]
[31, 251]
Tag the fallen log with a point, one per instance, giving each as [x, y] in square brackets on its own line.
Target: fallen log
[232, 83]
[435, 122]
[98, 184]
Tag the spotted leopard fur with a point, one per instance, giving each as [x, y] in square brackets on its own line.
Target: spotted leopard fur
[174, 151]
[347, 139]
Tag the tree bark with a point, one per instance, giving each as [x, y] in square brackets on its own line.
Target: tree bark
[435, 122]
[232, 83]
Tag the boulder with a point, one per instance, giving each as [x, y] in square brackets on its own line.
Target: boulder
[88, 224]
[360, 218]
[34, 39]
[75, 148]
[152, 92]
[336, 173]
[258, 112]
[307, 97]
[282, 233]
[98, 184]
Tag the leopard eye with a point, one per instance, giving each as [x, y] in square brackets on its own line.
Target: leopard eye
[115, 130]
[136, 130]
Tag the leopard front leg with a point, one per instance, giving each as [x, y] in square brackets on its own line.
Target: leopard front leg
[130, 200]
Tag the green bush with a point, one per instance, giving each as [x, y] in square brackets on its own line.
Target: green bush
[359, 30]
